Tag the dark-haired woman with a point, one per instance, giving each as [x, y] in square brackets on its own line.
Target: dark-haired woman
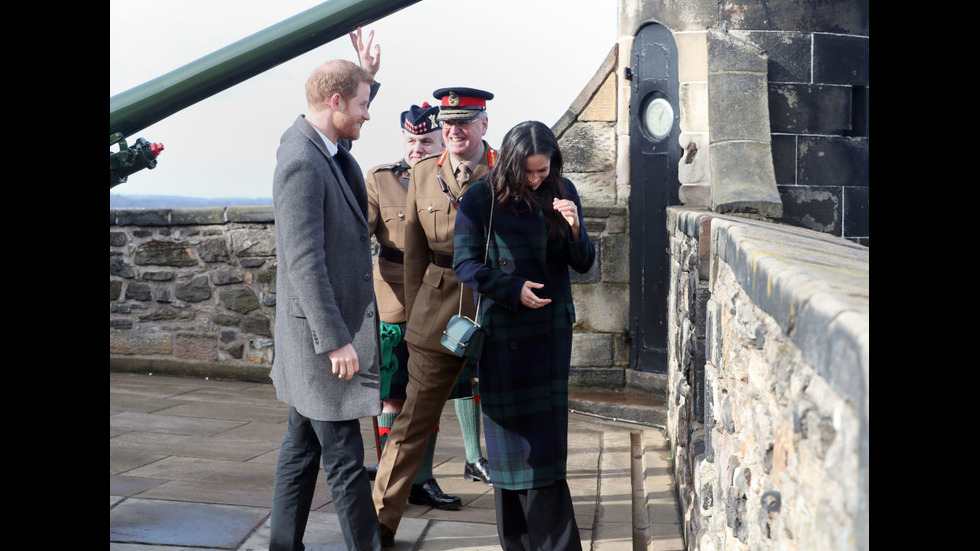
[526, 307]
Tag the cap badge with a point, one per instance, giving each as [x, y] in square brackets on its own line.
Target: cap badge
[453, 99]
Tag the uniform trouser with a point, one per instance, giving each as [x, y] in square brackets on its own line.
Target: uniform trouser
[431, 377]
[339, 445]
[538, 519]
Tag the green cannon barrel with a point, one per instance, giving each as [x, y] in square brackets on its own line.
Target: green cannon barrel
[148, 103]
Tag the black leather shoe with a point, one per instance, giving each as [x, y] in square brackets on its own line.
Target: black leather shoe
[478, 471]
[387, 536]
[429, 493]
[372, 471]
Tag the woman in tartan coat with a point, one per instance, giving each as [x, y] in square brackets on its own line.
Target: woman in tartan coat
[526, 307]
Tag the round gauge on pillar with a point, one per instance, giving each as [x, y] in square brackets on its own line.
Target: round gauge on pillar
[658, 118]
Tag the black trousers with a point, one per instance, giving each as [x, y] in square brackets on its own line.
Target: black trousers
[538, 519]
[339, 445]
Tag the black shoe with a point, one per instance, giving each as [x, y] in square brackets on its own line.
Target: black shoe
[372, 471]
[478, 471]
[387, 536]
[429, 493]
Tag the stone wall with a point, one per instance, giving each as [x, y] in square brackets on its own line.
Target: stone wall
[815, 68]
[193, 292]
[769, 385]
[588, 137]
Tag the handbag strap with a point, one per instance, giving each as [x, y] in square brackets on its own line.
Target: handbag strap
[486, 255]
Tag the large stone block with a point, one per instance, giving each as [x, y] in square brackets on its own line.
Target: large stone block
[738, 107]
[591, 350]
[148, 217]
[692, 56]
[594, 188]
[241, 300]
[589, 147]
[197, 289]
[214, 250]
[118, 266]
[730, 54]
[164, 253]
[616, 258]
[743, 179]
[851, 17]
[601, 308]
[265, 213]
[197, 216]
[810, 109]
[789, 53]
[253, 242]
[142, 343]
[602, 106]
[839, 59]
[834, 161]
[693, 105]
[193, 346]
[857, 221]
[139, 291]
[784, 159]
[678, 15]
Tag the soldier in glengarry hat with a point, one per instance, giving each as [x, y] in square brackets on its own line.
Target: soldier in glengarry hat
[436, 185]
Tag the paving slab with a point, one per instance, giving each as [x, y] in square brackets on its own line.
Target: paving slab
[156, 522]
[186, 450]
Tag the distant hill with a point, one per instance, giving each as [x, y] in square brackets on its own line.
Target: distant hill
[176, 202]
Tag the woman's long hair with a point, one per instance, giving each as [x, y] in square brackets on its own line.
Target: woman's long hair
[509, 176]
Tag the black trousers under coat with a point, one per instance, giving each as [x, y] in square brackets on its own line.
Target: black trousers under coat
[538, 519]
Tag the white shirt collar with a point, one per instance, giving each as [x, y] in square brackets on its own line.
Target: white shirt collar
[331, 147]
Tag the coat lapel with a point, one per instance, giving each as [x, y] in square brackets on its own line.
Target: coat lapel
[347, 186]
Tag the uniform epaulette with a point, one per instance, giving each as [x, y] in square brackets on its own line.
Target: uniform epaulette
[385, 167]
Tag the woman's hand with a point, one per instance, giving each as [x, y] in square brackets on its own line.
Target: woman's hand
[569, 212]
[529, 299]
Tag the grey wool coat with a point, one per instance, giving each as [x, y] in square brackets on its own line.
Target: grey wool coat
[324, 288]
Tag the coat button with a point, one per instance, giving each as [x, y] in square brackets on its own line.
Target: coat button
[401, 215]
[513, 345]
[367, 277]
[430, 208]
[370, 314]
[503, 261]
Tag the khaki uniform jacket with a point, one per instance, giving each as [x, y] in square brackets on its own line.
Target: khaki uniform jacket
[432, 293]
[386, 220]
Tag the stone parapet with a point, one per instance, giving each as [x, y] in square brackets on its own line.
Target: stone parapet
[769, 384]
[192, 292]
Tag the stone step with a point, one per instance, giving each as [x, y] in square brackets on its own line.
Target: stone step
[621, 405]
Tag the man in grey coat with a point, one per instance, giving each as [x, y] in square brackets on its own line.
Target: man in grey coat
[326, 336]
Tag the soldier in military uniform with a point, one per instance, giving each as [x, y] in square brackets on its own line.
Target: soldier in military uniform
[432, 294]
[387, 187]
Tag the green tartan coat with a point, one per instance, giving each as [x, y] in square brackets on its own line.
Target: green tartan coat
[524, 368]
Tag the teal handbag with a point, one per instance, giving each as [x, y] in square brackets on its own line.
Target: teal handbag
[463, 336]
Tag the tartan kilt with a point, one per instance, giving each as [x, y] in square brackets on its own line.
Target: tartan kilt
[524, 394]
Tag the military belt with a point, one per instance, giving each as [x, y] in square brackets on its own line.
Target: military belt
[391, 255]
[442, 260]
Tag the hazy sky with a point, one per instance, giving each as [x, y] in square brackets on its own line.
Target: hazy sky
[534, 55]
